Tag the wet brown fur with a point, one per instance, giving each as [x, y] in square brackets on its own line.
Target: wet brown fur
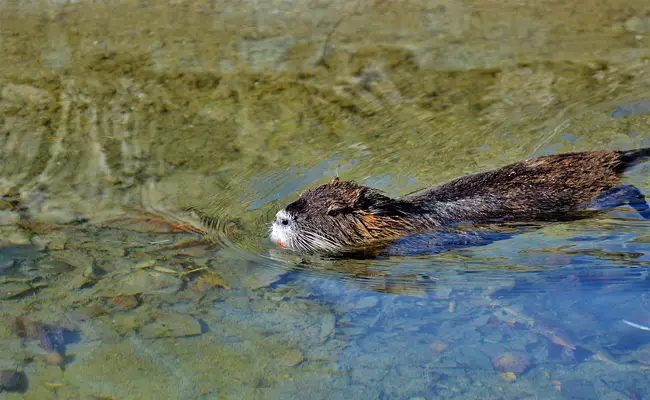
[545, 188]
[548, 185]
[375, 227]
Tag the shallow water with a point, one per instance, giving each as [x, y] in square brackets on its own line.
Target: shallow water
[115, 119]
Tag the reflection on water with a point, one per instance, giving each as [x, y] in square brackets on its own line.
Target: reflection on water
[142, 161]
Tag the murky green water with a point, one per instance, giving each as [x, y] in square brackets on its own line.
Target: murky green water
[115, 117]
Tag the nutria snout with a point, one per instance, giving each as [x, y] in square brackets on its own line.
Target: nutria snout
[343, 215]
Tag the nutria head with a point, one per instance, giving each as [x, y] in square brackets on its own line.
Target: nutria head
[337, 216]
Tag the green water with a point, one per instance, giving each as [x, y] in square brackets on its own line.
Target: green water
[116, 117]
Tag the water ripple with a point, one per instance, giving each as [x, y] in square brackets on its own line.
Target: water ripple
[528, 254]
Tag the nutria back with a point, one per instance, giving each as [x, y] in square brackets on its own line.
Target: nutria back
[547, 185]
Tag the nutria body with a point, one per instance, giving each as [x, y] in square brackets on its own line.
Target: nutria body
[343, 215]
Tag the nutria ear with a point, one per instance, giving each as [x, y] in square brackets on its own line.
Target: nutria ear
[335, 209]
[334, 180]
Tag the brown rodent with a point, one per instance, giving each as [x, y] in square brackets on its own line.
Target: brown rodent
[342, 215]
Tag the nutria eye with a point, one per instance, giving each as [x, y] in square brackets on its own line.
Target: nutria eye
[285, 222]
[332, 212]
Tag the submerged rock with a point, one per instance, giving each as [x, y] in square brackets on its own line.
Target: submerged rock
[53, 358]
[8, 218]
[212, 280]
[291, 358]
[439, 346]
[13, 236]
[638, 24]
[11, 254]
[366, 302]
[171, 325]
[123, 303]
[515, 362]
[579, 389]
[641, 355]
[51, 345]
[262, 278]
[75, 258]
[126, 370]
[9, 290]
[10, 379]
[328, 324]
[138, 282]
[26, 94]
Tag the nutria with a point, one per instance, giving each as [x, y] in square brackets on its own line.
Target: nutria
[342, 215]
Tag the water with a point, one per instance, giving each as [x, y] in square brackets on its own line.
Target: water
[115, 119]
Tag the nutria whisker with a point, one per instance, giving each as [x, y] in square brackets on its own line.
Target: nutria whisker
[320, 241]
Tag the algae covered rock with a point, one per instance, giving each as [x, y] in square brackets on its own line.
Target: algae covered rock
[170, 324]
[13, 289]
[10, 379]
[139, 282]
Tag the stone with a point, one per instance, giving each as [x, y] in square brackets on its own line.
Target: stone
[54, 216]
[579, 389]
[13, 289]
[75, 258]
[58, 243]
[265, 52]
[138, 282]
[40, 242]
[327, 327]
[121, 370]
[26, 93]
[366, 302]
[10, 379]
[262, 278]
[468, 356]
[171, 325]
[638, 24]
[211, 280]
[10, 254]
[291, 358]
[13, 235]
[8, 218]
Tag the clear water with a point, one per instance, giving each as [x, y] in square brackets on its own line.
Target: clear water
[115, 119]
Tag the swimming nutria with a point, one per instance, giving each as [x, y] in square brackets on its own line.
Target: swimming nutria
[343, 215]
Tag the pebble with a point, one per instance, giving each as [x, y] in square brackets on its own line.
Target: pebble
[53, 358]
[508, 376]
[14, 236]
[9, 217]
[10, 379]
[55, 242]
[579, 389]
[139, 282]
[10, 254]
[75, 258]
[25, 93]
[439, 346]
[443, 293]
[366, 302]
[9, 290]
[291, 358]
[262, 278]
[638, 24]
[171, 325]
[327, 327]
[50, 241]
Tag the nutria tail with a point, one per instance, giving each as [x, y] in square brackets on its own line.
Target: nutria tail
[632, 157]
